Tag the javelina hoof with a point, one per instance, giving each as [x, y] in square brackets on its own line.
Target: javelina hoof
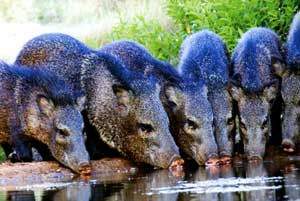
[14, 158]
[288, 146]
[36, 156]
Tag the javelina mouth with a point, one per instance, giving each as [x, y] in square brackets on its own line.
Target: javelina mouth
[254, 159]
[213, 160]
[85, 170]
[288, 146]
[176, 163]
[226, 160]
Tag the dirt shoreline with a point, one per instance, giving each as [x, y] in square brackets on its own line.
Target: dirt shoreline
[22, 175]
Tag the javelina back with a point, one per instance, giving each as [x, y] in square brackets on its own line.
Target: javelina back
[37, 105]
[290, 87]
[204, 55]
[186, 108]
[123, 105]
[255, 87]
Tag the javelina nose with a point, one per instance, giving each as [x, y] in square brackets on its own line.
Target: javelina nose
[254, 159]
[288, 145]
[226, 159]
[85, 168]
[176, 162]
[213, 160]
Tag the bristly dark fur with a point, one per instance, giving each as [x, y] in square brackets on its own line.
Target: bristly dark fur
[124, 74]
[138, 58]
[205, 45]
[293, 45]
[54, 87]
[73, 48]
[252, 59]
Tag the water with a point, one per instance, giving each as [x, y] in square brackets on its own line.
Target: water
[270, 180]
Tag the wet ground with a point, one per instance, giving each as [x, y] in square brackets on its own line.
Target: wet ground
[277, 178]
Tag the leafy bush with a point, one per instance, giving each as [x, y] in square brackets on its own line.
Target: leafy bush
[228, 18]
[231, 18]
[162, 43]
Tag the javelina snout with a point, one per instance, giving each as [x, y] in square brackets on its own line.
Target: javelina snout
[213, 160]
[167, 158]
[193, 113]
[290, 87]
[64, 124]
[224, 123]
[254, 118]
[255, 86]
[291, 115]
[204, 57]
[288, 145]
[69, 145]
[149, 139]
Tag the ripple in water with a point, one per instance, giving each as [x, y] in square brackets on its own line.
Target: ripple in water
[222, 185]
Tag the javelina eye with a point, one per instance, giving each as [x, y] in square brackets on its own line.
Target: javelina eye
[191, 124]
[84, 136]
[172, 105]
[264, 124]
[62, 132]
[145, 128]
[230, 121]
[242, 126]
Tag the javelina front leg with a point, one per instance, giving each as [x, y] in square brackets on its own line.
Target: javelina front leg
[22, 150]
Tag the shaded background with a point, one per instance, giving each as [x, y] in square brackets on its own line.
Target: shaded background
[160, 25]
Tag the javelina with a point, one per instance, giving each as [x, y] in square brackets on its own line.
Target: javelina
[290, 87]
[255, 87]
[204, 56]
[123, 105]
[37, 105]
[186, 108]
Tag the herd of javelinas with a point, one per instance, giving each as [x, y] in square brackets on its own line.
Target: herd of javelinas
[147, 110]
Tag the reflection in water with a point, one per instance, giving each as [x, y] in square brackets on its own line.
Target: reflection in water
[272, 180]
[258, 171]
[137, 190]
[81, 192]
[20, 196]
[292, 182]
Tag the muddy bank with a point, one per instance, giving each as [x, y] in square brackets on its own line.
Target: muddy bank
[19, 175]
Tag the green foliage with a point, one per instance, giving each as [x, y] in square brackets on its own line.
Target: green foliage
[228, 18]
[2, 154]
[162, 43]
[231, 18]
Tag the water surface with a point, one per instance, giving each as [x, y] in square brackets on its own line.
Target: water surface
[269, 180]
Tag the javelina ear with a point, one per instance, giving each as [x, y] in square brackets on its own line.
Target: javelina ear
[123, 98]
[235, 91]
[204, 90]
[278, 66]
[80, 103]
[172, 96]
[46, 105]
[270, 91]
